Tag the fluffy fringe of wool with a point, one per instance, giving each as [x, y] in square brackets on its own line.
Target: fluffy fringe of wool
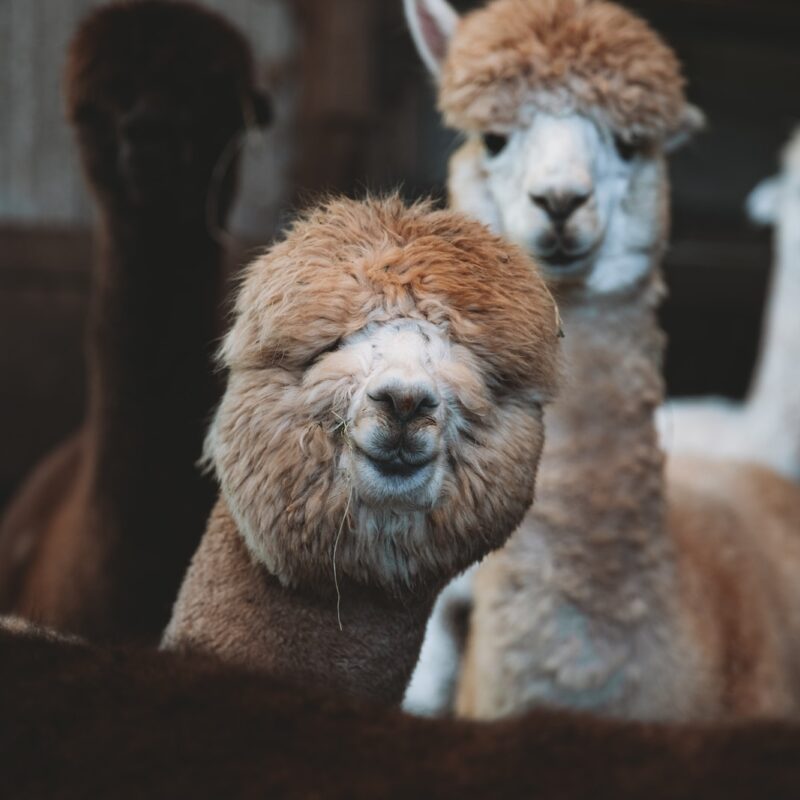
[592, 56]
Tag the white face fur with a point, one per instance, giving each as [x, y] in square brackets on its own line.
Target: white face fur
[585, 206]
[409, 389]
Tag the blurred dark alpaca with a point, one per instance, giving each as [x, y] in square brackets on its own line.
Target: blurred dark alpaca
[98, 538]
[81, 721]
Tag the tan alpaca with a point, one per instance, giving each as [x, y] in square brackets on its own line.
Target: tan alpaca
[626, 591]
[766, 427]
[380, 431]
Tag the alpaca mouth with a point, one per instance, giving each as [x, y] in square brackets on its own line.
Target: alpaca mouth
[561, 264]
[396, 481]
[560, 256]
[397, 466]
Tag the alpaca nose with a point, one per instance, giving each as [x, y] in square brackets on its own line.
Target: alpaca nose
[405, 400]
[560, 206]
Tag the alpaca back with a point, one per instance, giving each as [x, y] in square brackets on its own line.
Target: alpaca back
[737, 537]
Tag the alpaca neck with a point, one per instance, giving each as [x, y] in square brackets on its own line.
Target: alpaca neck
[152, 326]
[774, 401]
[364, 645]
[363, 642]
[593, 551]
[600, 506]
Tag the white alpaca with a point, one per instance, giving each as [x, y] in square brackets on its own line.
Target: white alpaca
[766, 427]
[625, 591]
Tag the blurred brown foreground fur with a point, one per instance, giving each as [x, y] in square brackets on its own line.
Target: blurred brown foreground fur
[79, 721]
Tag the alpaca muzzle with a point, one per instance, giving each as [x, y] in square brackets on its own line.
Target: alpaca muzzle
[397, 445]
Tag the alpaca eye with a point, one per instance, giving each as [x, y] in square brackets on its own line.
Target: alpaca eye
[628, 149]
[333, 346]
[494, 142]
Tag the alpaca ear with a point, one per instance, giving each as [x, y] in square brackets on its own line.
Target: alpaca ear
[692, 121]
[762, 202]
[432, 24]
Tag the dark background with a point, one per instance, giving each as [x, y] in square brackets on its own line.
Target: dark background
[356, 112]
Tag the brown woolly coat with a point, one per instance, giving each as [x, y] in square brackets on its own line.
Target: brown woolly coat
[231, 606]
[82, 722]
[99, 537]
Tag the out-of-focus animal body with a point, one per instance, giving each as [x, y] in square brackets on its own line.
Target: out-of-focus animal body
[99, 536]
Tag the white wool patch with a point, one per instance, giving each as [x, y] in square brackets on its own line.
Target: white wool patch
[763, 201]
[431, 691]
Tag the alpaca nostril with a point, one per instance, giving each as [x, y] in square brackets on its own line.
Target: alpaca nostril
[560, 206]
[405, 402]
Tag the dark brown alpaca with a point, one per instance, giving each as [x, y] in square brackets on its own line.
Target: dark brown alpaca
[84, 722]
[99, 537]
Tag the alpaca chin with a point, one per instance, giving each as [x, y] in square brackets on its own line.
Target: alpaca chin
[384, 529]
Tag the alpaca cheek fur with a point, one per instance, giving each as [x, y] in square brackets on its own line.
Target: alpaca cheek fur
[277, 495]
[284, 502]
[495, 481]
[637, 230]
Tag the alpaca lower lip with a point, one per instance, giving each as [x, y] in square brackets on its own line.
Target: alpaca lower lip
[560, 264]
[561, 259]
[395, 482]
[397, 467]
[562, 255]
[562, 252]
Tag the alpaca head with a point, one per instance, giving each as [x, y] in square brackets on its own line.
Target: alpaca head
[388, 367]
[568, 107]
[156, 91]
[777, 198]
